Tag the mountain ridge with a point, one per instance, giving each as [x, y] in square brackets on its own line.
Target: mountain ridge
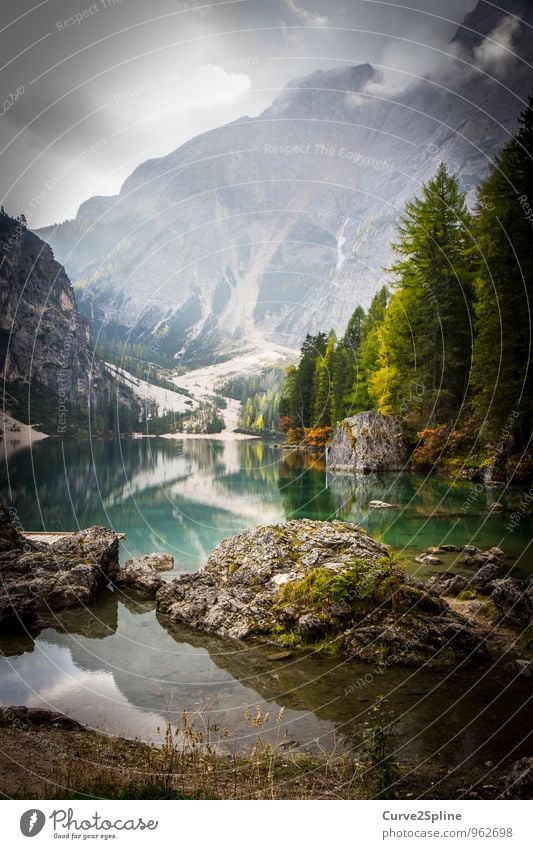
[257, 231]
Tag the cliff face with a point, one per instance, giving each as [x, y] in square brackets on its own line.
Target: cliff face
[46, 358]
[367, 442]
[272, 226]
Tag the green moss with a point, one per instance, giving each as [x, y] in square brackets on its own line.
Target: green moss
[329, 647]
[291, 639]
[490, 610]
[233, 566]
[467, 595]
[362, 586]
[285, 636]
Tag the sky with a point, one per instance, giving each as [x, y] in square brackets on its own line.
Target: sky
[91, 90]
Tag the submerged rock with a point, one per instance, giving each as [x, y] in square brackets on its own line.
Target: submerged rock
[38, 578]
[324, 584]
[367, 442]
[428, 559]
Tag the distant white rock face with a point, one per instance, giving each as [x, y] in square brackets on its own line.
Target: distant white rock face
[367, 442]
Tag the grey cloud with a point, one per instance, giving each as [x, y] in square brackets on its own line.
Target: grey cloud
[75, 74]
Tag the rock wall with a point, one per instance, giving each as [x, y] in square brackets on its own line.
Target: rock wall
[367, 442]
[43, 338]
[46, 356]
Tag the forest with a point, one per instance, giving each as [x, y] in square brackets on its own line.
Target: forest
[446, 342]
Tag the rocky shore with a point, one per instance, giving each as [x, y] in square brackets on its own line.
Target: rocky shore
[40, 578]
[48, 755]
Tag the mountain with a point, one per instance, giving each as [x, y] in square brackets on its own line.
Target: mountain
[50, 372]
[256, 232]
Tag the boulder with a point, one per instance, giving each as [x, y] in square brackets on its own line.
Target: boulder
[158, 560]
[367, 442]
[519, 782]
[428, 559]
[304, 581]
[481, 558]
[141, 574]
[514, 598]
[38, 578]
[21, 715]
[485, 575]
[447, 583]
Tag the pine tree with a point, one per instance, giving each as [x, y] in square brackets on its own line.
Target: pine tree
[344, 365]
[367, 359]
[322, 385]
[502, 374]
[426, 337]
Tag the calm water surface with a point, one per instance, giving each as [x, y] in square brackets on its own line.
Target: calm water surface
[117, 667]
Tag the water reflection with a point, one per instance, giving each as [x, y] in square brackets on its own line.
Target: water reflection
[184, 496]
[116, 666]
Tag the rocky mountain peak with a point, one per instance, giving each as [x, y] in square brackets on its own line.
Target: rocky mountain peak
[267, 228]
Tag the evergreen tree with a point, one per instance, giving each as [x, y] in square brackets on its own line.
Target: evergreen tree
[502, 375]
[344, 365]
[322, 385]
[367, 358]
[426, 337]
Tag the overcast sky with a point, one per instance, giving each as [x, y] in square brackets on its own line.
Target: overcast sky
[84, 101]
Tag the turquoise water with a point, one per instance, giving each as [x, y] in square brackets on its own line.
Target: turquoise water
[185, 496]
[116, 666]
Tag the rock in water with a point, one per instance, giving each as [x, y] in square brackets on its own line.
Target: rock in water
[367, 442]
[38, 578]
[142, 573]
[158, 560]
[318, 583]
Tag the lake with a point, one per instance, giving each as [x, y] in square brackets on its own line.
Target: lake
[116, 666]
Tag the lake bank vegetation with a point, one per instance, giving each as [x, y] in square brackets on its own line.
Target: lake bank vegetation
[445, 345]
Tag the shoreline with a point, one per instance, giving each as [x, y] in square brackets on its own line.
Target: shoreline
[223, 436]
[49, 756]
[17, 435]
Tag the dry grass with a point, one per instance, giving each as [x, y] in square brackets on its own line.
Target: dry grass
[199, 760]
[196, 760]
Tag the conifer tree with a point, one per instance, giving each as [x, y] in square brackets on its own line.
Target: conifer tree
[426, 337]
[502, 374]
